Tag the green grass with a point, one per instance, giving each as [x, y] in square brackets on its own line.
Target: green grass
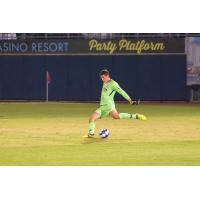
[51, 134]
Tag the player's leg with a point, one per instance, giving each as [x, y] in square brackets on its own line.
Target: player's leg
[92, 119]
[115, 115]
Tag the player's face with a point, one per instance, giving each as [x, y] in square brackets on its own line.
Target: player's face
[105, 78]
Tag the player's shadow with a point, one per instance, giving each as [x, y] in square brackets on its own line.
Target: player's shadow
[92, 140]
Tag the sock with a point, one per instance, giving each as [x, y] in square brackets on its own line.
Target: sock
[127, 116]
[91, 128]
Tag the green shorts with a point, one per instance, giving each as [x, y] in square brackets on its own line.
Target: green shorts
[105, 110]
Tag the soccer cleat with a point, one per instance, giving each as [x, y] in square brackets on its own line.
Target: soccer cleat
[140, 117]
[89, 135]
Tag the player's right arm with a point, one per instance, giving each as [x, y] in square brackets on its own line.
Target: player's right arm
[118, 89]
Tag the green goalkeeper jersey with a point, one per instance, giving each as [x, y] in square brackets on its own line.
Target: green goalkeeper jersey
[108, 92]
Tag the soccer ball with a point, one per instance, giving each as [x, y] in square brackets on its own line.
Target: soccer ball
[104, 133]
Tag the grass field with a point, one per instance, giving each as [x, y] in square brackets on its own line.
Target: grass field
[51, 134]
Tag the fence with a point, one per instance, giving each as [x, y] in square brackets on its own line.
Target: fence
[75, 78]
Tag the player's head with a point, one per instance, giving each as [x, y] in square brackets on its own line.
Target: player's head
[104, 75]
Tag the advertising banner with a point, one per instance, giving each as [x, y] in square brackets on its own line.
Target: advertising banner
[94, 46]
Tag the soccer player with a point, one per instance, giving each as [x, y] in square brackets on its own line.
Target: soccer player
[107, 104]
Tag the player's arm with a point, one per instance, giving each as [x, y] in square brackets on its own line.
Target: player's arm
[118, 89]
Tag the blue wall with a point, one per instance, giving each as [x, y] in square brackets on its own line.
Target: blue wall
[148, 77]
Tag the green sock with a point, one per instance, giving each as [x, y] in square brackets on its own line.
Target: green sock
[127, 116]
[91, 128]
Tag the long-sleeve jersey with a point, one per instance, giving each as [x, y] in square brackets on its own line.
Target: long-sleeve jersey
[108, 92]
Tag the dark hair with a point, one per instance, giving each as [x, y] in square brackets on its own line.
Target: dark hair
[104, 72]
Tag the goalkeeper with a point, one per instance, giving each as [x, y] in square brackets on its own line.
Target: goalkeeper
[107, 104]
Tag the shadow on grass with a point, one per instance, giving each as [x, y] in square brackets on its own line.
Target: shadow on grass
[92, 140]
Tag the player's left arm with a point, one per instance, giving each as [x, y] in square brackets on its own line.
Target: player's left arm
[118, 89]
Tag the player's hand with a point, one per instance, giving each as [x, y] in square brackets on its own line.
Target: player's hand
[134, 103]
[130, 101]
[137, 102]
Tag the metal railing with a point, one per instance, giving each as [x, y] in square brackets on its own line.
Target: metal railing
[10, 36]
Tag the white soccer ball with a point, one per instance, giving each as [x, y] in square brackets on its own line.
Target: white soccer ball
[104, 133]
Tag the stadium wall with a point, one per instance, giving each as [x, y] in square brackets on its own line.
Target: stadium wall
[75, 78]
